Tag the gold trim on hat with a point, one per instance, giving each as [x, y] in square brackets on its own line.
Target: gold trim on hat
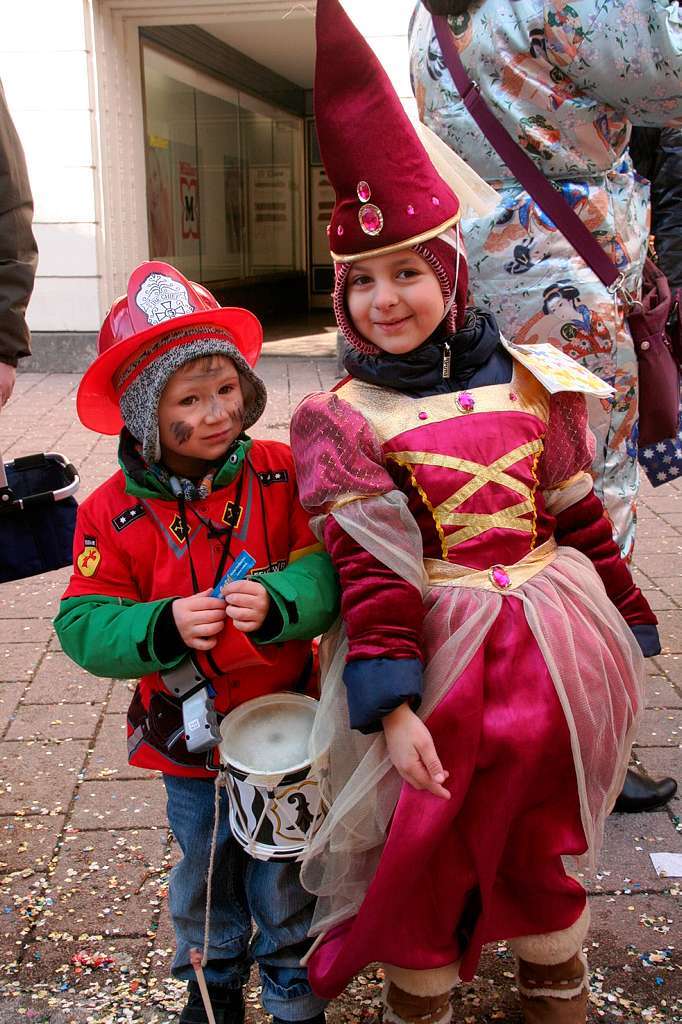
[397, 246]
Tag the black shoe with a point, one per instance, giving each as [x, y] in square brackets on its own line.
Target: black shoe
[227, 1003]
[642, 794]
[317, 1019]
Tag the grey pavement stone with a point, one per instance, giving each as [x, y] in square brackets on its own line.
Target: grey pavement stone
[673, 519]
[50, 722]
[120, 697]
[671, 666]
[109, 757]
[37, 778]
[642, 923]
[19, 661]
[46, 957]
[628, 842]
[9, 698]
[670, 631]
[671, 585]
[60, 681]
[654, 566]
[28, 843]
[120, 804]
[25, 630]
[660, 693]
[37, 596]
[660, 600]
[21, 900]
[660, 728]
[663, 540]
[109, 882]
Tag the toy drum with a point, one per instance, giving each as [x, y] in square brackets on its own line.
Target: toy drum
[275, 802]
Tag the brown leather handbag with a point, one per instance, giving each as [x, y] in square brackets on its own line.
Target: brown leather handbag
[657, 333]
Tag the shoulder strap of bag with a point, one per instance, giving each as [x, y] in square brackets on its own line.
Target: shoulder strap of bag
[524, 170]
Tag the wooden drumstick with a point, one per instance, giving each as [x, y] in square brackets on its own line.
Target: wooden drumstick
[195, 958]
[316, 944]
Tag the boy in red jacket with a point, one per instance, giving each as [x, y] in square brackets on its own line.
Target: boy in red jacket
[193, 491]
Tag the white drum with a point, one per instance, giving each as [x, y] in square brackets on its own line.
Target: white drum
[275, 802]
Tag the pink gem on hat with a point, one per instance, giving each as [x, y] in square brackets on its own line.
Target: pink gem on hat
[364, 192]
[371, 219]
[500, 577]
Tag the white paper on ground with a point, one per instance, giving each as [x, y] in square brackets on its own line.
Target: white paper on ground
[667, 865]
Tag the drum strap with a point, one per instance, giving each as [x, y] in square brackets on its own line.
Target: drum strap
[219, 784]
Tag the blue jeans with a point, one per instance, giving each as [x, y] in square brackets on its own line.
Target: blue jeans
[269, 892]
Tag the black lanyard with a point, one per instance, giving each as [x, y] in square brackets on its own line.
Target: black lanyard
[212, 532]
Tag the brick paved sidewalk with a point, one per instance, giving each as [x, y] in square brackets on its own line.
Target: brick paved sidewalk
[84, 851]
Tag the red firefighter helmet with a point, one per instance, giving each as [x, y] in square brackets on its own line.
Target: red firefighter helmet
[160, 303]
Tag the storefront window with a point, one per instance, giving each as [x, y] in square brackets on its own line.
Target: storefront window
[224, 178]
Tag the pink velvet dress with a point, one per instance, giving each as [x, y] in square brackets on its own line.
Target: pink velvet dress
[532, 679]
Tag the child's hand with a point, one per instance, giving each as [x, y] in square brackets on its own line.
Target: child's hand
[199, 619]
[248, 603]
[412, 751]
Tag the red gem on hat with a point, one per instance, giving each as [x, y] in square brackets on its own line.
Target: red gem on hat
[364, 192]
[371, 219]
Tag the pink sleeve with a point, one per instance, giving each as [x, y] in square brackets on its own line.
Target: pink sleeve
[569, 442]
[337, 453]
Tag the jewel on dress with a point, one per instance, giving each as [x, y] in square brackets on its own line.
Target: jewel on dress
[364, 192]
[371, 219]
[500, 577]
[465, 401]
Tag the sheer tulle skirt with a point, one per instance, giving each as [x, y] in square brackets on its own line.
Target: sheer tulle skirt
[537, 685]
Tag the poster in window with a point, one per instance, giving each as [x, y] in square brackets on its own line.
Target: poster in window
[185, 194]
[271, 234]
[159, 210]
[321, 208]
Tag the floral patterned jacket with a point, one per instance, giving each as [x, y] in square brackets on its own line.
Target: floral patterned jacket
[567, 80]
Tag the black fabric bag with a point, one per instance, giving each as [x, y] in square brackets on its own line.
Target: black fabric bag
[37, 515]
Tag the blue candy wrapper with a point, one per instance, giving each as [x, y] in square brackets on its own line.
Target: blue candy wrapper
[241, 567]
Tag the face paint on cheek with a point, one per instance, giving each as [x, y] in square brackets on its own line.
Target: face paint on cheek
[237, 416]
[181, 431]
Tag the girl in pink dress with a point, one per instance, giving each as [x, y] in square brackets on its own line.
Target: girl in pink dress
[482, 692]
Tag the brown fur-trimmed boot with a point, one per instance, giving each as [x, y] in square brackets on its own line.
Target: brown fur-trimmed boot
[554, 993]
[418, 997]
[402, 1007]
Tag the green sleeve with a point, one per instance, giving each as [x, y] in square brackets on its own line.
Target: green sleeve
[111, 636]
[306, 594]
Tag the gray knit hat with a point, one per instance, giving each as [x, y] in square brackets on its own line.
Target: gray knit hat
[139, 403]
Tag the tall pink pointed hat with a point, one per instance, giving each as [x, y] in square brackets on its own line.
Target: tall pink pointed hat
[389, 196]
